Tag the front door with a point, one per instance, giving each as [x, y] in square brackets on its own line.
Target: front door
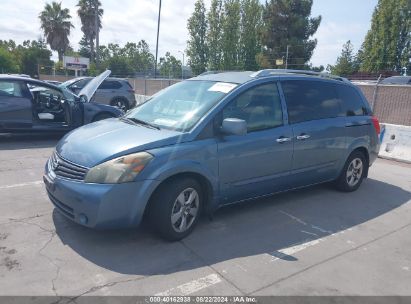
[259, 162]
[15, 105]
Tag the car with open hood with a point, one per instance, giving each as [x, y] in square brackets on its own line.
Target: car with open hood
[211, 141]
[29, 105]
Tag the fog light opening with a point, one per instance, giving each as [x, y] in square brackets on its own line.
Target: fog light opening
[83, 219]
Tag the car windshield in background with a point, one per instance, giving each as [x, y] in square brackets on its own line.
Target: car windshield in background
[181, 106]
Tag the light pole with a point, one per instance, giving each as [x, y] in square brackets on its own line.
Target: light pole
[158, 32]
[286, 57]
[182, 66]
[97, 29]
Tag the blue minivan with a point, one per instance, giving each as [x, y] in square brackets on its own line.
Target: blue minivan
[210, 141]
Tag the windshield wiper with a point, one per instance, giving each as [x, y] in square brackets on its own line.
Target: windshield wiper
[141, 122]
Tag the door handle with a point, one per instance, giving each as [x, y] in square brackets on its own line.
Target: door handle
[303, 136]
[283, 139]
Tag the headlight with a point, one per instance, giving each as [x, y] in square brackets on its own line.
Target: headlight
[119, 170]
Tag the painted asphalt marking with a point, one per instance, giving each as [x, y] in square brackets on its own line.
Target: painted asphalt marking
[192, 286]
[289, 251]
[21, 185]
[306, 224]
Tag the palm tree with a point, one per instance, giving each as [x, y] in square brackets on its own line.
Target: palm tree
[87, 13]
[56, 24]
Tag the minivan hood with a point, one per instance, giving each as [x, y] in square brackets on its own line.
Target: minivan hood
[95, 143]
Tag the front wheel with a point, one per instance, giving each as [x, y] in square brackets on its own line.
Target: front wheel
[175, 208]
[353, 172]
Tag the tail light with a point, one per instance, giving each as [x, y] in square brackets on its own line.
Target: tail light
[376, 124]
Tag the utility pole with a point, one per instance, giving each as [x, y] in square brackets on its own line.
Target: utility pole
[182, 66]
[158, 32]
[97, 29]
[286, 57]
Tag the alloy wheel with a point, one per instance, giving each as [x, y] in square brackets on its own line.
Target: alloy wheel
[354, 172]
[185, 210]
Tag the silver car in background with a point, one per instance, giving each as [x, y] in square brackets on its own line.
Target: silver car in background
[116, 92]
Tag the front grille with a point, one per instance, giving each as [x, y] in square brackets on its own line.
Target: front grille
[66, 169]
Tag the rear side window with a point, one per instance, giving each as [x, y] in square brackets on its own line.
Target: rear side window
[110, 85]
[310, 100]
[128, 84]
[10, 89]
[351, 101]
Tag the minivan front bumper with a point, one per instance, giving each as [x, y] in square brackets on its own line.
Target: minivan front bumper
[99, 206]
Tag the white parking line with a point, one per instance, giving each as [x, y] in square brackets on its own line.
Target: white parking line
[293, 249]
[192, 286]
[289, 251]
[21, 185]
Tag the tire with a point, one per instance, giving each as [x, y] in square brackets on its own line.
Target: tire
[102, 116]
[120, 103]
[167, 214]
[353, 173]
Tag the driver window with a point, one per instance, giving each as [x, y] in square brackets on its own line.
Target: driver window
[260, 107]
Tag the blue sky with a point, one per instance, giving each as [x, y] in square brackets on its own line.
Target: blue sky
[342, 20]
[132, 20]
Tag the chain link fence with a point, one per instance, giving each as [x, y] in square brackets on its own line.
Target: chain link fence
[390, 103]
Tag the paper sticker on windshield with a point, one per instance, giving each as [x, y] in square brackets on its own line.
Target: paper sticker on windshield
[222, 87]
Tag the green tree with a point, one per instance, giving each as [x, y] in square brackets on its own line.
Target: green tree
[387, 43]
[170, 66]
[119, 66]
[8, 62]
[139, 56]
[87, 12]
[288, 22]
[251, 20]
[231, 36]
[56, 25]
[347, 62]
[84, 49]
[34, 56]
[197, 29]
[214, 34]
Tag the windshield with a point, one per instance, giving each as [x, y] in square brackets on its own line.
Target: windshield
[181, 106]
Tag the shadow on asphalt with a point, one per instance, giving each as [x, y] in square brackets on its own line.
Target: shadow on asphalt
[25, 141]
[263, 226]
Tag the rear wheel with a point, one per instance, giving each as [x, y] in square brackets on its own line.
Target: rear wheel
[120, 103]
[353, 172]
[175, 208]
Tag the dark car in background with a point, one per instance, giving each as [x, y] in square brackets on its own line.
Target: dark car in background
[29, 105]
[397, 80]
[55, 82]
[113, 91]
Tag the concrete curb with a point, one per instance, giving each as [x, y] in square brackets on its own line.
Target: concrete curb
[395, 142]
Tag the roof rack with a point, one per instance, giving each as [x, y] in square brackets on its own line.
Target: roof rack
[270, 72]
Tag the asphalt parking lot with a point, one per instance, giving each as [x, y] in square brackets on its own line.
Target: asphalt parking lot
[314, 241]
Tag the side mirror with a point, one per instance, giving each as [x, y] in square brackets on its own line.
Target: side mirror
[234, 126]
